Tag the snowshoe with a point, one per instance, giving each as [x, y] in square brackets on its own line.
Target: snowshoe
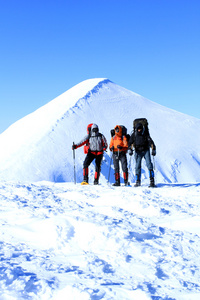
[84, 183]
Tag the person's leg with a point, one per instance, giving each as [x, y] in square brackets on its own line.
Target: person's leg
[116, 167]
[123, 160]
[98, 161]
[138, 162]
[89, 158]
[149, 164]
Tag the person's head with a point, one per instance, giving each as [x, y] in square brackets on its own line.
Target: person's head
[139, 128]
[118, 130]
[95, 128]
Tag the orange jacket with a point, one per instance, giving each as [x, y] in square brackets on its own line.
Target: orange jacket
[118, 140]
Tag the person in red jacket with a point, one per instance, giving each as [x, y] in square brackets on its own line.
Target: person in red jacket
[119, 146]
[97, 144]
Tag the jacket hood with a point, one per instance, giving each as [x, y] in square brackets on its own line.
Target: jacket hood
[95, 126]
[120, 130]
[94, 130]
[139, 125]
[89, 128]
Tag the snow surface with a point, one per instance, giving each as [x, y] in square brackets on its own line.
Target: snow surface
[65, 241]
[38, 147]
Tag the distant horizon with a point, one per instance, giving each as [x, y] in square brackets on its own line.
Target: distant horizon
[148, 47]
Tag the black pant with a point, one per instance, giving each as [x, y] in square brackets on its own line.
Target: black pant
[120, 157]
[89, 158]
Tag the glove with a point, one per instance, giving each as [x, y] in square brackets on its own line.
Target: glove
[112, 148]
[130, 152]
[74, 147]
[119, 147]
[153, 152]
[104, 148]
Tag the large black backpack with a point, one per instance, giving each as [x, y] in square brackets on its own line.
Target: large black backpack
[144, 123]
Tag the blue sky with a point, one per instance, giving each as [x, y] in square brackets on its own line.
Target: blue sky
[151, 47]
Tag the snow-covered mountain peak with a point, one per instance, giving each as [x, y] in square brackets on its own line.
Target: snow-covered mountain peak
[38, 147]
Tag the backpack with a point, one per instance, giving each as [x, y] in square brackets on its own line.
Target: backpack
[87, 145]
[124, 132]
[144, 123]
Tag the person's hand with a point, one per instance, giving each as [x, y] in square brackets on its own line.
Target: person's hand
[112, 148]
[74, 147]
[153, 152]
[119, 147]
[130, 152]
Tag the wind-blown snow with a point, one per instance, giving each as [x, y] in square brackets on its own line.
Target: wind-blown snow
[38, 147]
[64, 241]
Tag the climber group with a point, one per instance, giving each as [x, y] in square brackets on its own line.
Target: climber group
[121, 143]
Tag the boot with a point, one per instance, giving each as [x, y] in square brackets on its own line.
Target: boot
[138, 181]
[152, 182]
[117, 180]
[85, 175]
[96, 178]
[126, 179]
[151, 176]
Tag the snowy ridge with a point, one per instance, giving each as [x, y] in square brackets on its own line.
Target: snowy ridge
[40, 122]
[38, 147]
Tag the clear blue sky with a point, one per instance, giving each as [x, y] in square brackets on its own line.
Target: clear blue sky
[151, 47]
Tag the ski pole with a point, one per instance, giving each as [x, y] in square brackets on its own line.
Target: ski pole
[74, 164]
[129, 163]
[110, 168]
[154, 167]
[130, 159]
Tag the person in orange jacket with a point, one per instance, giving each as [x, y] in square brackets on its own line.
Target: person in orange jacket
[119, 147]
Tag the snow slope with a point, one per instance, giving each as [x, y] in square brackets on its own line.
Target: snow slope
[38, 147]
[63, 241]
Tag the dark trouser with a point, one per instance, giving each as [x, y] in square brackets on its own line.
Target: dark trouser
[120, 157]
[89, 158]
[138, 160]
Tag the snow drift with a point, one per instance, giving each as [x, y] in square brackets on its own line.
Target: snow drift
[63, 241]
[38, 147]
